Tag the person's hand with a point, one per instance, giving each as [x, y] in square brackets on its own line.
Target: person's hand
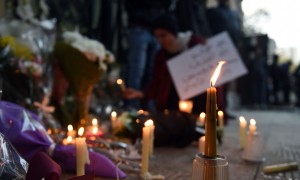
[130, 93]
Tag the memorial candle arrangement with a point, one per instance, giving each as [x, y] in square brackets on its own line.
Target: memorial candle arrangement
[210, 149]
[82, 154]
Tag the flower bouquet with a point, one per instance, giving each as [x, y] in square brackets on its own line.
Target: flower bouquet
[82, 61]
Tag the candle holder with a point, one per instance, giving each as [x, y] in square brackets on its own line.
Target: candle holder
[210, 168]
[254, 147]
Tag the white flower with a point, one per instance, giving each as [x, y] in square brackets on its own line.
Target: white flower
[91, 48]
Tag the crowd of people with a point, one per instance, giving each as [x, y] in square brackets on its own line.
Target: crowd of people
[157, 32]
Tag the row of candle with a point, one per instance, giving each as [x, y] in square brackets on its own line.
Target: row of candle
[220, 119]
[93, 131]
[243, 132]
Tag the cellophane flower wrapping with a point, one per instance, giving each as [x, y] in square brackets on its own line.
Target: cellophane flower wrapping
[12, 165]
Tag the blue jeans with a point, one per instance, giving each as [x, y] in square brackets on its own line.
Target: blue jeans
[142, 49]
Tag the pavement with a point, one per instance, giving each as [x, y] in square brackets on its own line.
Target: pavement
[279, 129]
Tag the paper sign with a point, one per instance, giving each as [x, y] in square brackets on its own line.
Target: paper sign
[191, 70]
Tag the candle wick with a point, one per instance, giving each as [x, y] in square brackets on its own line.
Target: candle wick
[211, 84]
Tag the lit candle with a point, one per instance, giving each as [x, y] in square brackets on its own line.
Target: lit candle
[113, 117]
[82, 155]
[201, 144]
[152, 128]
[186, 106]
[95, 126]
[71, 131]
[243, 126]
[210, 149]
[121, 84]
[252, 126]
[145, 147]
[221, 119]
[202, 118]
[68, 140]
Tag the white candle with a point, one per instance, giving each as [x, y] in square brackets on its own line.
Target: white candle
[202, 118]
[82, 155]
[221, 119]
[243, 126]
[121, 84]
[145, 147]
[186, 106]
[152, 128]
[68, 140]
[113, 117]
[95, 126]
[201, 144]
[252, 126]
[71, 131]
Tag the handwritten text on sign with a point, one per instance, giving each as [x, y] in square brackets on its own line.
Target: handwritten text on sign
[191, 71]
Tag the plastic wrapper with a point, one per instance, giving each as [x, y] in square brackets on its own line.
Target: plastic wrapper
[25, 131]
[12, 165]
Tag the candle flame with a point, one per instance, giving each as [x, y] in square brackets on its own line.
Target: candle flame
[69, 139]
[220, 113]
[148, 123]
[70, 127]
[94, 122]
[80, 131]
[114, 114]
[202, 115]
[216, 73]
[183, 105]
[252, 121]
[49, 131]
[242, 119]
[141, 111]
[119, 81]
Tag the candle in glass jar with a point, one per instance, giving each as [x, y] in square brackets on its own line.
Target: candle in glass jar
[210, 149]
[252, 126]
[243, 126]
[82, 155]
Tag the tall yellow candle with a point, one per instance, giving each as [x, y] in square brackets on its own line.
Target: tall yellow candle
[145, 147]
[243, 126]
[210, 149]
[82, 155]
